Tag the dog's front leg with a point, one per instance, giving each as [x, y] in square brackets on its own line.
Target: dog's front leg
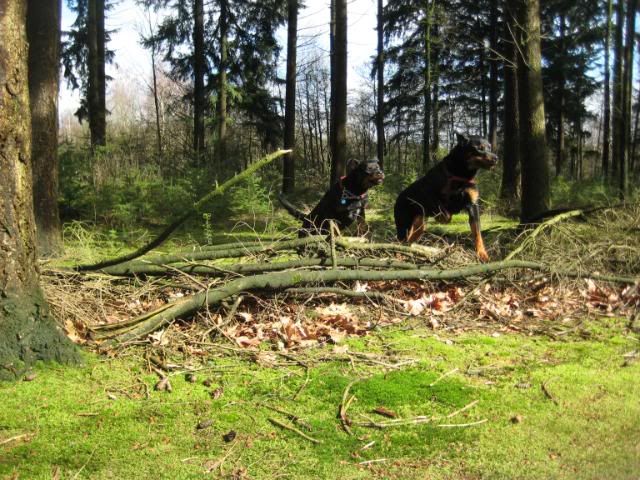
[417, 229]
[474, 223]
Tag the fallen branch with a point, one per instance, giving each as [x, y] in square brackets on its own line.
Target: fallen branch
[219, 190]
[151, 321]
[344, 406]
[280, 424]
[294, 418]
[143, 268]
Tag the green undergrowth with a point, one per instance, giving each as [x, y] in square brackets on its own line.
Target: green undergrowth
[96, 422]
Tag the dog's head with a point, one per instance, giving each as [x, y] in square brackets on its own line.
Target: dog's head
[365, 173]
[476, 152]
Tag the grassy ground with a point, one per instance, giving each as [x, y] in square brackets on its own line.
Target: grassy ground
[96, 422]
[105, 421]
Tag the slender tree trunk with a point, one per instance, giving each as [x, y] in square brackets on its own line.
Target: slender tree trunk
[627, 94]
[97, 79]
[606, 142]
[289, 171]
[435, 104]
[426, 127]
[533, 154]
[561, 86]
[618, 54]
[511, 160]
[156, 102]
[380, 86]
[339, 150]
[27, 331]
[493, 76]
[222, 81]
[198, 84]
[483, 94]
[43, 29]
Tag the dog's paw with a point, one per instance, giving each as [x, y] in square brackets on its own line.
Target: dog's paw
[483, 256]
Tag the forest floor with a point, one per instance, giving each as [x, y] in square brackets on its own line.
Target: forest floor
[519, 375]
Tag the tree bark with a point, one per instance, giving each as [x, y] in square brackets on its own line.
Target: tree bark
[618, 54]
[606, 142]
[426, 93]
[339, 147]
[27, 331]
[493, 76]
[221, 151]
[380, 87]
[561, 86]
[627, 94]
[511, 160]
[289, 170]
[97, 79]
[533, 148]
[198, 72]
[43, 30]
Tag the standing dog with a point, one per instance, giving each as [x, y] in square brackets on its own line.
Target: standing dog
[447, 188]
[344, 202]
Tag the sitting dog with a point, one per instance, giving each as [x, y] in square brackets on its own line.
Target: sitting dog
[344, 202]
[447, 188]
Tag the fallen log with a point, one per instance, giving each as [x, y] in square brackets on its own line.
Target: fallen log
[151, 269]
[142, 266]
[151, 321]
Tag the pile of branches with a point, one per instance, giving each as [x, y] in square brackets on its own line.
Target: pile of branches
[392, 281]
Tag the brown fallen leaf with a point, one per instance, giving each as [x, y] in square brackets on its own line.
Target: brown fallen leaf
[29, 377]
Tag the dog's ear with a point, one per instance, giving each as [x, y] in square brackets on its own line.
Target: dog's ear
[352, 164]
[462, 139]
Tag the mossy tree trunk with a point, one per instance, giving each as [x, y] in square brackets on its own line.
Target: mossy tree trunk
[43, 30]
[27, 332]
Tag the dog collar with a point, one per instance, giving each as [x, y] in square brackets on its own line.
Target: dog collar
[348, 195]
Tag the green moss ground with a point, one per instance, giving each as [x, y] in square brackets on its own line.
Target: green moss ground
[77, 430]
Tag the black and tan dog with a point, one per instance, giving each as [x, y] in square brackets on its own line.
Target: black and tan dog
[448, 188]
[344, 202]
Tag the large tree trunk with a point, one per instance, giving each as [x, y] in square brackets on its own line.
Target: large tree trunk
[533, 148]
[97, 78]
[339, 147]
[627, 94]
[606, 142]
[198, 72]
[380, 86]
[511, 160]
[27, 332]
[289, 171]
[221, 151]
[43, 29]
